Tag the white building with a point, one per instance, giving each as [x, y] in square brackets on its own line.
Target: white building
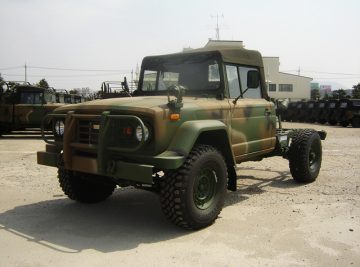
[280, 84]
[285, 85]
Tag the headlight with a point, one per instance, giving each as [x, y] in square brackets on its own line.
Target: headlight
[59, 128]
[139, 133]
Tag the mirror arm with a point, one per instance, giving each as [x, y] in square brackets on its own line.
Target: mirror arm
[241, 95]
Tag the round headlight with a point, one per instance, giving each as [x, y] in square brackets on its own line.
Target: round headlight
[139, 133]
[59, 128]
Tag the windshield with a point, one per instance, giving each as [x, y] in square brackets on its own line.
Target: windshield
[196, 74]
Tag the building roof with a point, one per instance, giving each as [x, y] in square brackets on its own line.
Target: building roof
[295, 75]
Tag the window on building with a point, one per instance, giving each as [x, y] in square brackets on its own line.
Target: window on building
[272, 87]
[285, 87]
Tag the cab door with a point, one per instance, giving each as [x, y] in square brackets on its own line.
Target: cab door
[253, 121]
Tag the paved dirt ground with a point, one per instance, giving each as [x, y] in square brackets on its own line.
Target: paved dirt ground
[269, 221]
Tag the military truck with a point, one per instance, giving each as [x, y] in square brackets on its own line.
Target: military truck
[349, 112]
[330, 111]
[290, 113]
[301, 111]
[311, 111]
[24, 106]
[322, 108]
[194, 116]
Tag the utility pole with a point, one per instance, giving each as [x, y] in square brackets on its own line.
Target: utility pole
[217, 29]
[299, 71]
[25, 73]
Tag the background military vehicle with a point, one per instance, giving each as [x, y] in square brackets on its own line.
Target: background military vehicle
[290, 113]
[193, 117]
[311, 111]
[321, 114]
[331, 111]
[349, 112]
[340, 112]
[24, 106]
[301, 111]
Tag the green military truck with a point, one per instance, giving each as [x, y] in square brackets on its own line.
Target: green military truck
[194, 116]
[24, 106]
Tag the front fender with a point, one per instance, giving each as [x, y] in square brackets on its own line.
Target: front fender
[187, 134]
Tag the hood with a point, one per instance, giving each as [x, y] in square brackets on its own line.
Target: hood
[146, 104]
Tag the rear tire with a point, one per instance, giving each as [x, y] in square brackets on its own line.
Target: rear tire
[305, 155]
[82, 187]
[192, 196]
[344, 123]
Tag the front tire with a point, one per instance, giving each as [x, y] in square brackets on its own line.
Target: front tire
[192, 196]
[305, 155]
[83, 187]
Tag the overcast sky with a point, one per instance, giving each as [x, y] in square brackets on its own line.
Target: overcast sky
[321, 37]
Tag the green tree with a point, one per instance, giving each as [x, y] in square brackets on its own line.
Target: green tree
[74, 91]
[315, 94]
[2, 82]
[339, 94]
[43, 83]
[356, 91]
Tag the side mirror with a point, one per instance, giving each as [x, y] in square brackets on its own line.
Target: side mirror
[253, 79]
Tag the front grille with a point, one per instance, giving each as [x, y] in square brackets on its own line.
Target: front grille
[88, 131]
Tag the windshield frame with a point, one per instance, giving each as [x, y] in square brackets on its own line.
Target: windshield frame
[152, 64]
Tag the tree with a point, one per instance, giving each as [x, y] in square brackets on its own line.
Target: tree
[74, 91]
[315, 94]
[43, 83]
[339, 94]
[356, 91]
[2, 82]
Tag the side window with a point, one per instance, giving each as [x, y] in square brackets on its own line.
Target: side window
[233, 81]
[149, 82]
[249, 92]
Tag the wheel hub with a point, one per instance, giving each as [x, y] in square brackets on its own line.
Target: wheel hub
[204, 188]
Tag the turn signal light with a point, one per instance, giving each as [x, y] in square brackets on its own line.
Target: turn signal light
[175, 117]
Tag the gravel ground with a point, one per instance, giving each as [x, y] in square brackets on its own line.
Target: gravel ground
[270, 220]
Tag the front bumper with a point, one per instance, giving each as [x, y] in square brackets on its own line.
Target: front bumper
[116, 169]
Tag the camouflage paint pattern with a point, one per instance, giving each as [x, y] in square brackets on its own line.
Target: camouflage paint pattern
[249, 128]
[16, 113]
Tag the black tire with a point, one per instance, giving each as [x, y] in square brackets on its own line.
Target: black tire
[192, 196]
[344, 123]
[305, 155]
[333, 122]
[82, 187]
[355, 122]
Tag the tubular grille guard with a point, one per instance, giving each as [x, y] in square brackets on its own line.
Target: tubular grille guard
[105, 120]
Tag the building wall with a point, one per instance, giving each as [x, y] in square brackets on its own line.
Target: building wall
[300, 84]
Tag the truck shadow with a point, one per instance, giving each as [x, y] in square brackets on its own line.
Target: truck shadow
[129, 218]
[126, 220]
[248, 185]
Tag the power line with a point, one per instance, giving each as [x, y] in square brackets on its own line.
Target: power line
[12, 68]
[70, 76]
[321, 72]
[71, 69]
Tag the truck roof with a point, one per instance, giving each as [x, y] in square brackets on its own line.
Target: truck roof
[228, 54]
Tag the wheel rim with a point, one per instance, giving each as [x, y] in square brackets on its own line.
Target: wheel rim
[314, 157]
[205, 188]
